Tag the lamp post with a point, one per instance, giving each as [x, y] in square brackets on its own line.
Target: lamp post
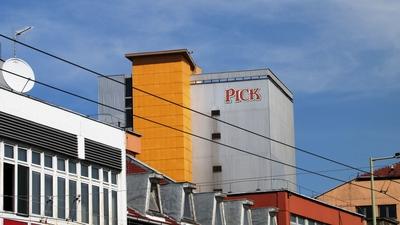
[371, 164]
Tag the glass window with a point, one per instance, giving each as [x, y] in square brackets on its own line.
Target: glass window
[84, 170]
[300, 220]
[72, 200]
[61, 164]
[9, 151]
[154, 204]
[95, 172]
[388, 211]
[85, 202]
[23, 190]
[105, 175]
[71, 167]
[114, 208]
[36, 158]
[48, 161]
[48, 192]
[35, 192]
[188, 206]
[106, 205]
[8, 187]
[61, 197]
[293, 219]
[22, 154]
[113, 178]
[95, 205]
[365, 210]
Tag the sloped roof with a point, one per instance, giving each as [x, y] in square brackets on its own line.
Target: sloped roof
[388, 172]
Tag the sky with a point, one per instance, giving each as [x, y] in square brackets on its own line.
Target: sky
[340, 59]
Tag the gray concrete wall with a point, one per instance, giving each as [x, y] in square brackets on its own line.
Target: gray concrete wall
[172, 200]
[205, 205]
[113, 94]
[138, 189]
[282, 129]
[234, 212]
[241, 172]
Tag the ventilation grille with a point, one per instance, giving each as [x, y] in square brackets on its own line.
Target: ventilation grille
[38, 135]
[102, 154]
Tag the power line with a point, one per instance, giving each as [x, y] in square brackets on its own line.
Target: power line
[182, 106]
[198, 136]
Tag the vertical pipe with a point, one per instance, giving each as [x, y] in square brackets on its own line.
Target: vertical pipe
[371, 164]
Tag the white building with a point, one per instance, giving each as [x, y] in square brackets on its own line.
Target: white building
[58, 167]
[257, 101]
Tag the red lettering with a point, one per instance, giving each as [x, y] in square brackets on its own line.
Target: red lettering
[237, 99]
[228, 95]
[247, 94]
[242, 96]
[255, 95]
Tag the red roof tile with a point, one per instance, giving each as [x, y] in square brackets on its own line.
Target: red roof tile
[392, 171]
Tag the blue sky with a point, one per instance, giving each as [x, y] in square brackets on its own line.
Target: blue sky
[340, 59]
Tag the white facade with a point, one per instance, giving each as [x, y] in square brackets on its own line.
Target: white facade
[54, 168]
[257, 101]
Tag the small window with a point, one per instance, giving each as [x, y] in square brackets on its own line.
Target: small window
[85, 202]
[217, 169]
[388, 211]
[84, 170]
[73, 199]
[216, 136]
[23, 190]
[9, 151]
[113, 178]
[71, 166]
[154, 204]
[95, 205]
[48, 192]
[106, 205]
[217, 189]
[128, 102]
[128, 87]
[36, 158]
[48, 161]
[114, 207]
[22, 154]
[365, 210]
[105, 175]
[95, 172]
[8, 187]
[61, 164]
[36, 193]
[61, 198]
[215, 112]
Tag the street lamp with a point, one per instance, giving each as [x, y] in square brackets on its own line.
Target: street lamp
[371, 164]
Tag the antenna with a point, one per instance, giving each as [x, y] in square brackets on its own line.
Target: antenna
[18, 33]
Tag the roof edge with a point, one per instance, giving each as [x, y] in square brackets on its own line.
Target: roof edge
[185, 52]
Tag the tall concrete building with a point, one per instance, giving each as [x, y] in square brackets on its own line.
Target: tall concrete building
[255, 100]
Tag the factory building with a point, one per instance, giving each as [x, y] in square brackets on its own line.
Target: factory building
[255, 100]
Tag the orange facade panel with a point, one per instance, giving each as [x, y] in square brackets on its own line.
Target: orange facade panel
[166, 74]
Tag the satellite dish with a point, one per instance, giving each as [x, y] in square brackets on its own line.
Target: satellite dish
[18, 75]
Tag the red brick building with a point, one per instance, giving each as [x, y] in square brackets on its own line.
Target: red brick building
[296, 209]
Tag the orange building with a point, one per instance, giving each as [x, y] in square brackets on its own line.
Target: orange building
[358, 199]
[167, 74]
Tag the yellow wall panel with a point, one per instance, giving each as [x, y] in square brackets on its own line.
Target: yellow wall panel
[164, 149]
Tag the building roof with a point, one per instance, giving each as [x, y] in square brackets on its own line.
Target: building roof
[184, 52]
[256, 205]
[387, 172]
[241, 75]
